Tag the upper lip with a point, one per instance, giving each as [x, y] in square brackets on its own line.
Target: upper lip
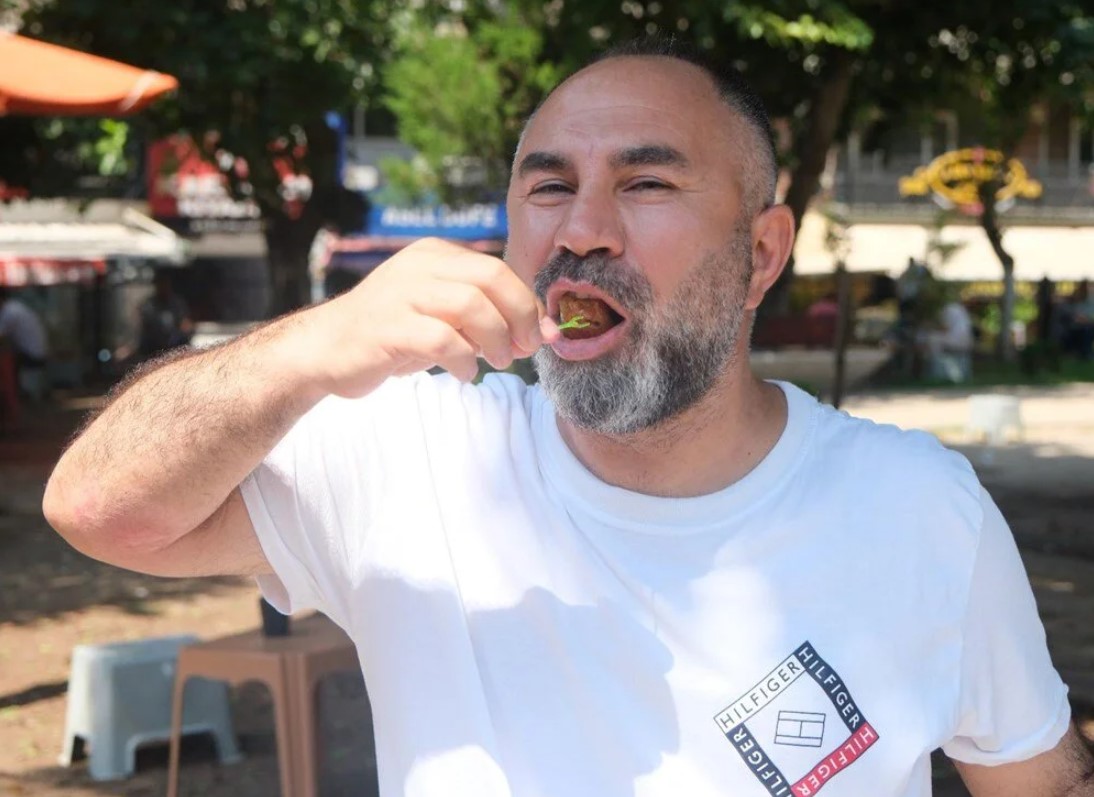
[583, 289]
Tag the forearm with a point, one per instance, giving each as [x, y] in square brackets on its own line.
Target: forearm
[171, 447]
[172, 444]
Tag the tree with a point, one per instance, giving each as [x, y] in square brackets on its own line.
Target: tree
[461, 94]
[1007, 62]
[1043, 52]
[257, 80]
[797, 53]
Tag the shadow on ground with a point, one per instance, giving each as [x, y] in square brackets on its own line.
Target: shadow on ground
[347, 767]
[43, 576]
[1045, 490]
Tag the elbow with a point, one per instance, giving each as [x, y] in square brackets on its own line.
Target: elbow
[64, 510]
[78, 513]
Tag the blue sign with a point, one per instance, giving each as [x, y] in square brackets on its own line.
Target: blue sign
[467, 222]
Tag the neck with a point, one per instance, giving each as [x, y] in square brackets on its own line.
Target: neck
[704, 449]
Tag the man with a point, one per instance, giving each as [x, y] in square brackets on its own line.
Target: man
[655, 575]
[21, 329]
[950, 343]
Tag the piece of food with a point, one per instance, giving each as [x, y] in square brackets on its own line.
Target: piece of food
[577, 322]
[595, 317]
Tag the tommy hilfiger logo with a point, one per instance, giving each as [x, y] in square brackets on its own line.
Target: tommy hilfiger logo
[789, 767]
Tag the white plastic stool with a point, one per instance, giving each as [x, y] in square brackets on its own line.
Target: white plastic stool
[992, 415]
[119, 697]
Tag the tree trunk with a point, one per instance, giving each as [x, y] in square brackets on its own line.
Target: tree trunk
[989, 221]
[843, 332]
[288, 243]
[825, 111]
[289, 238]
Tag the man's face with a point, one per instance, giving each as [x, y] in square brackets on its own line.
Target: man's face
[625, 197]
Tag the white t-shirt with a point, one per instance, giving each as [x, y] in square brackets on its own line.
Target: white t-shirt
[853, 603]
[21, 326]
[957, 333]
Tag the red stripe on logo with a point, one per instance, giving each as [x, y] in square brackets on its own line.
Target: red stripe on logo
[845, 755]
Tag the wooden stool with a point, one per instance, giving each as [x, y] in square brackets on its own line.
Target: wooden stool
[328, 651]
[290, 666]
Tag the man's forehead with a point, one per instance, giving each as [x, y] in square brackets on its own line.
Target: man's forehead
[625, 78]
[644, 99]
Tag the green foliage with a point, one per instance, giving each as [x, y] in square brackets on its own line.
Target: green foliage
[254, 72]
[460, 97]
[939, 252]
[991, 321]
[995, 59]
[108, 152]
[408, 182]
[785, 24]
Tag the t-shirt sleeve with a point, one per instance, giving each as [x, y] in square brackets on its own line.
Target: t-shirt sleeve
[312, 497]
[1013, 704]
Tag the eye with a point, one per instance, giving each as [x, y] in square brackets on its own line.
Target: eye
[551, 188]
[647, 184]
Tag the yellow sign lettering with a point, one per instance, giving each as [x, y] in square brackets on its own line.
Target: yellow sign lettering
[955, 178]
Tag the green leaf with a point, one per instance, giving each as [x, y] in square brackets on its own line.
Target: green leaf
[577, 322]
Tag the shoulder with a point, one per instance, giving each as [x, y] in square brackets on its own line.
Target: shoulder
[908, 470]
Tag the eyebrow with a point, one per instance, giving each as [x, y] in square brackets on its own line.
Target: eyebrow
[642, 155]
[542, 162]
[649, 155]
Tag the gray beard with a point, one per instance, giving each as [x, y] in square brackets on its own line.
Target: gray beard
[672, 357]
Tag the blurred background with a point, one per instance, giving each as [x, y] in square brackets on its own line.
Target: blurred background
[173, 174]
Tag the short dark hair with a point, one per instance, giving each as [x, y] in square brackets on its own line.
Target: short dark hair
[730, 84]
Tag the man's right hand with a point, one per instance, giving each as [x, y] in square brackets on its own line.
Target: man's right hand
[152, 483]
[432, 304]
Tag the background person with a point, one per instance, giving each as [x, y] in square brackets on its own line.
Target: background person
[1078, 313]
[950, 343]
[23, 331]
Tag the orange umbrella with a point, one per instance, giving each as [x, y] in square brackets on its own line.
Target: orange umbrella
[43, 79]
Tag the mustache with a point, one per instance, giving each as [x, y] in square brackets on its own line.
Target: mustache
[624, 284]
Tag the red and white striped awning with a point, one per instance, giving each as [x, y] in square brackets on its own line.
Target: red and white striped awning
[75, 251]
[17, 271]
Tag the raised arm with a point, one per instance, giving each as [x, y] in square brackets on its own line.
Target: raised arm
[152, 483]
[1067, 770]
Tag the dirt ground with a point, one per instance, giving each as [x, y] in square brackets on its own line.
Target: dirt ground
[52, 598]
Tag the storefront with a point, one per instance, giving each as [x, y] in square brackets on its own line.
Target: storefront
[84, 273]
[339, 262]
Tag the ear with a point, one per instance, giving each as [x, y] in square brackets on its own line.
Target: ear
[772, 243]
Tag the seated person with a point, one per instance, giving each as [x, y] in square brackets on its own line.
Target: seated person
[24, 332]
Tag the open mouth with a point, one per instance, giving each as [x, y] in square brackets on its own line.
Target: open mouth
[581, 316]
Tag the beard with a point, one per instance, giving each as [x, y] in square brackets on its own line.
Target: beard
[673, 354]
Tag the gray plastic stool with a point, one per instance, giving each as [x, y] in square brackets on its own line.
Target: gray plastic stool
[119, 697]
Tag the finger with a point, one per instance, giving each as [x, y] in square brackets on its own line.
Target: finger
[435, 342]
[467, 309]
[514, 300]
[548, 328]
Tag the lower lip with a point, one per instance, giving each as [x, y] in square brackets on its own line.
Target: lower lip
[590, 348]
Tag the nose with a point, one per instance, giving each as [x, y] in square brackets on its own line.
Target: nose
[591, 223]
